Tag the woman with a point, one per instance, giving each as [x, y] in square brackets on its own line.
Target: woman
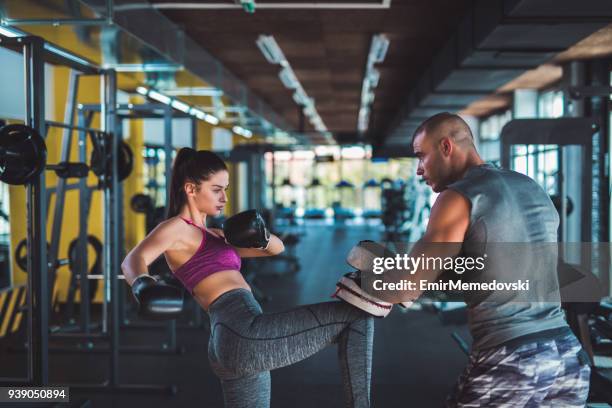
[245, 343]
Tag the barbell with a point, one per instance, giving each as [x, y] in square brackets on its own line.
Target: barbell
[23, 156]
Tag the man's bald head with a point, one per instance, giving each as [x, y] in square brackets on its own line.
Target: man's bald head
[449, 125]
[445, 148]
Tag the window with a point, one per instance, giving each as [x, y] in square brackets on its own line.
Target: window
[541, 162]
[154, 174]
[489, 131]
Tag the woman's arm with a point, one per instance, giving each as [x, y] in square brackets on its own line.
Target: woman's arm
[163, 237]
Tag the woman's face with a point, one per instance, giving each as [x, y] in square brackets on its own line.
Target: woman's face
[210, 196]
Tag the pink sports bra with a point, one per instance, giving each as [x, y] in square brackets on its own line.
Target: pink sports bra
[213, 255]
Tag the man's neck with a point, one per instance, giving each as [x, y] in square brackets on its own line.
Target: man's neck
[472, 160]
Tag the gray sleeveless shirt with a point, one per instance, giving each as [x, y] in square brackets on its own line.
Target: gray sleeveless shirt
[513, 222]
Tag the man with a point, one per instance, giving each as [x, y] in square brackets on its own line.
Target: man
[523, 352]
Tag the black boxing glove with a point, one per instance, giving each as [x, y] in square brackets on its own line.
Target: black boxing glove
[157, 300]
[247, 230]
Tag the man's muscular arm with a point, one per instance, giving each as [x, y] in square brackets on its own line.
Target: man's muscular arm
[448, 223]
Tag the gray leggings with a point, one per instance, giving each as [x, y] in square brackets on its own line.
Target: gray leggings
[245, 344]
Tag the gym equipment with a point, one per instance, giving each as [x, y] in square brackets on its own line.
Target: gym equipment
[23, 156]
[21, 256]
[286, 193]
[96, 269]
[561, 132]
[349, 290]
[345, 204]
[141, 203]
[361, 256]
[154, 167]
[102, 158]
[285, 209]
[315, 200]
[25, 168]
[394, 209]
[371, 199]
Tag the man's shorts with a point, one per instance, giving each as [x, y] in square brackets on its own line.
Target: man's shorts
[548, 373]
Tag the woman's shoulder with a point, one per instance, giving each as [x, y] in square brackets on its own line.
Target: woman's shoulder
[172, 225]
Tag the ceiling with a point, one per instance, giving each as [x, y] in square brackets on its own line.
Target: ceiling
[455, 55]
[328, 50]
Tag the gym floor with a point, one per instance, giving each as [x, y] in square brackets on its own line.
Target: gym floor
[416, 362]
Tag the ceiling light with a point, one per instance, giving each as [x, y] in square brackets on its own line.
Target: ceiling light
[320, 127]
[272, 52]
[363, 119]
[198, 113]
[374, 77]
[270, 49]
[242, 132]
[159, 97]
[211, 119]
[378, 52]
[309, 110]
[299, 97]
[181, 106]
[379, 48]
[146, 67]
[288, 78]
[195, 91]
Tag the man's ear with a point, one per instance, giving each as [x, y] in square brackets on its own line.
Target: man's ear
[446, 146]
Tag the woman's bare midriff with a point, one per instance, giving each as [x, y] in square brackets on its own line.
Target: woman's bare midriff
[213, 286]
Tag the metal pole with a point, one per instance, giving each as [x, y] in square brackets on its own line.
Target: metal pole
[273, 188]
[194, 134]
[109, 12]
[121, 288]
[81, 253]
[168, 175]
[56, 21]
[562, 188]
[111, 230]
[168, 149]
[60, 196]
[38, 285]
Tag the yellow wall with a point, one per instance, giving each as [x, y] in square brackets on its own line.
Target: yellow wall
[17, 196]
[203, 135]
